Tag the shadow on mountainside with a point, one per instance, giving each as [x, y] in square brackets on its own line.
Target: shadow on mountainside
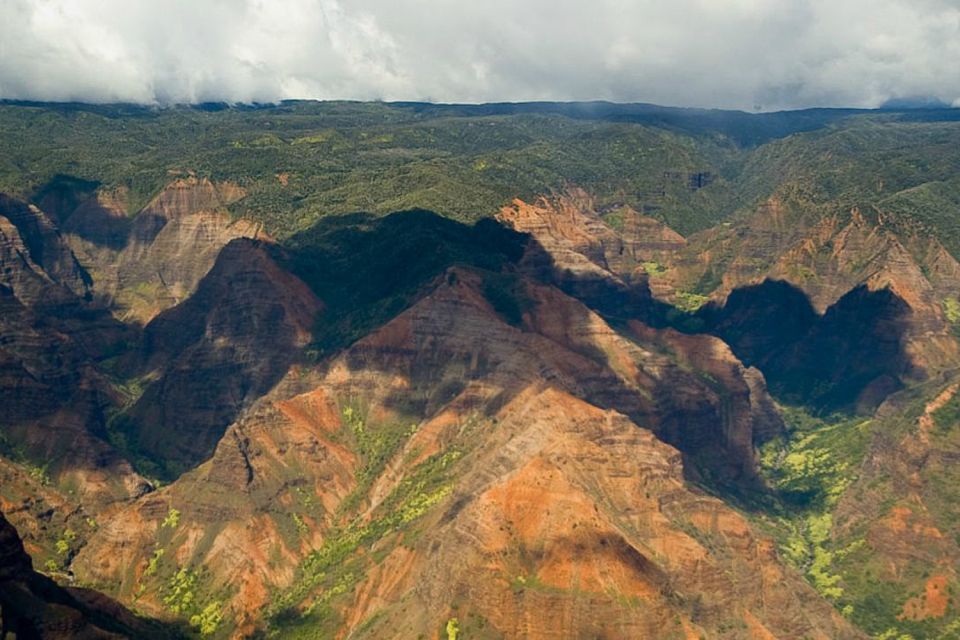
[73, 203]
[367, 270]
[848, 359]
[232, 341]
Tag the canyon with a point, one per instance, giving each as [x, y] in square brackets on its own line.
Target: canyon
[566, 418]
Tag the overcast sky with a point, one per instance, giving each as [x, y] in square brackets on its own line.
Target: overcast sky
[743, 54]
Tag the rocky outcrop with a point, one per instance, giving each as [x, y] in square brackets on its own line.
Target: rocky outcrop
[51, 340]
[32, 239]
[570, 229]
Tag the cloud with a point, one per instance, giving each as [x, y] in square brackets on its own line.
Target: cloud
[716, 53]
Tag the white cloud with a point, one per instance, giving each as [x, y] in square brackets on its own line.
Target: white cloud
[724, 53]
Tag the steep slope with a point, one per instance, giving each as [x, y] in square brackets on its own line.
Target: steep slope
[900, 519]
[408, 424]
[142, 262]
[34, 606]
[573, 522]
[54, 397]
[208, 358]
[41, 245]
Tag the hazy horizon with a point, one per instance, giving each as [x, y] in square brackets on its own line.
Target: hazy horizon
[918, 103]
[750, 55]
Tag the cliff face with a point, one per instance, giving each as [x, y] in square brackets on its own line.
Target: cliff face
[53, 394]
[842, 271]
[143, 262]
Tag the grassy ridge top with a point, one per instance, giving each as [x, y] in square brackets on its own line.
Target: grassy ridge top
[301, 161]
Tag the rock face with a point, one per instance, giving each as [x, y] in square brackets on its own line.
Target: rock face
[575, 248]
[52, 339]
[422, 425]
[34, 606]
[216, 353]
[830, 258]
[145, 263]
[573, 233]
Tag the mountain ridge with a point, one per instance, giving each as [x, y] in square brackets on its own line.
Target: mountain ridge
[332, 428]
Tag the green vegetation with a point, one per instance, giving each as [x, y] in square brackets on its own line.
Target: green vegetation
[17, 454]
[810, 469]
[689, 302]
[172, 520]
[951, 309]
[816, 471]
[376, 444]
[154, 562]
[654, 269]
[947, 417]
[815, 463]
[301, 525]
[902, 172]
[65, 547]
[335, 567]
[507, 294]
[453, 629]
[299, 162]
[208, 620]
[180, 593]
[181, 599]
